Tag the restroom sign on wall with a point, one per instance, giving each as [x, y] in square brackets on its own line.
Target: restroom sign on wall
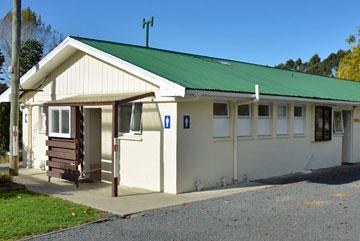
[186, 123]
[167, 122]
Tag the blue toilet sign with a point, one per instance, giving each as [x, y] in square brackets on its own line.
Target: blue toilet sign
[167, 122]
[186, 123]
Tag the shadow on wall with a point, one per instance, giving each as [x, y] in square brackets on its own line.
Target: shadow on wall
[330, 176]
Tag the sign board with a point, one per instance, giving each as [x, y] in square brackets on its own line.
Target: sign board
[356, 119]
[186, 123]
[167, 122]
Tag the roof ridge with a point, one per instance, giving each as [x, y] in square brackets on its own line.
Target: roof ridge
[210, 57]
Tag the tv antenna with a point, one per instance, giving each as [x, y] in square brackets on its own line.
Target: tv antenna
[147, 24]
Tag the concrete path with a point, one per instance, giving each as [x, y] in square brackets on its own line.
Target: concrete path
[130, 200]
[319, 206]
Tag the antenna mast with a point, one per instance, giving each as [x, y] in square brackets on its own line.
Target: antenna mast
[147, 24]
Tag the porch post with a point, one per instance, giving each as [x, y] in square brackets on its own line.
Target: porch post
[115, 180]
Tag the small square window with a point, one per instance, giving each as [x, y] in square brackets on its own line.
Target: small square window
[130, 117]
[60, 122]
[220, 109]
[264, 110]
[244, 110]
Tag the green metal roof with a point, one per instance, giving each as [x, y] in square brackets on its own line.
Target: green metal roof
[216, 74]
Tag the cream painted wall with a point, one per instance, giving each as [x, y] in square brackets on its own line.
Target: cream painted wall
[202, 157]
[83, 74]
[140, 156]
[170, 147]
[356, 136]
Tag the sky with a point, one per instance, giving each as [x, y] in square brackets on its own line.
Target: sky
[257, 31]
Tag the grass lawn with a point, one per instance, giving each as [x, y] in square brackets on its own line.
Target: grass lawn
[23, 213]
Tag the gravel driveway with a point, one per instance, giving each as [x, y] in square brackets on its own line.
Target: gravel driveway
[320, 206]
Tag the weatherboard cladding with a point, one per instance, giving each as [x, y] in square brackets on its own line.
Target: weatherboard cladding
[215, 74]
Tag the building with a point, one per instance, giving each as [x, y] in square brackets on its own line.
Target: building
[176, 122]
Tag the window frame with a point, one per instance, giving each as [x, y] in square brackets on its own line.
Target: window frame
[131, 132]
[247, 118]
[302, 112]
[41, 121]
[323, 138]
[286, 110]
[244, 116]
[284, 118]
[224, 117]
[50, 117]
[227, 109]
[264, 117]
[342, 122]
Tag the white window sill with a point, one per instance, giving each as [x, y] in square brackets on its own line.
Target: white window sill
[225, 138]
[264, 137]
[131, 137]
[299, 135]
[245, 138]
[338, 134]
[283, 136]
[41, 132]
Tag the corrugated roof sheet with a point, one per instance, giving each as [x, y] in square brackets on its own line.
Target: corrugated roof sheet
[208, 73]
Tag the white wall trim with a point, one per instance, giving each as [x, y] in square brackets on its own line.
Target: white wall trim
[232, 95]
[167, 87]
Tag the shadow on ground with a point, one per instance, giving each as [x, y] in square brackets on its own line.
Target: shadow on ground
[331, 176]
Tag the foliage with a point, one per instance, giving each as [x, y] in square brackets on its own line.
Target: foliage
[24, 213]
[32, 27]
[349, 67]
[2, 60]
[5, 178]
[326, 67]
[31, 53]
[4, 119]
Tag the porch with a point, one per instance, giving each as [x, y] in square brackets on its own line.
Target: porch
[130, 200]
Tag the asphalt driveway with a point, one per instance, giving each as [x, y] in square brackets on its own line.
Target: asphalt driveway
[320, 206]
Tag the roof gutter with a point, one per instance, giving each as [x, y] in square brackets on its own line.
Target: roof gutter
[233, 95]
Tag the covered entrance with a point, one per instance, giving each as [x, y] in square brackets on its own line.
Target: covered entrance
[75, 137]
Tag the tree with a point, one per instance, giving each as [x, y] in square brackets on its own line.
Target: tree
[32, 28]
[326, 67]
[4, 116]
[31, 53]
[2, 60]
[349, 67]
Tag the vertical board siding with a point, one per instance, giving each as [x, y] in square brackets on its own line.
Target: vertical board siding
[84, 74]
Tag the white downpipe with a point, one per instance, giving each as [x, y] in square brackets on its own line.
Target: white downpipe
[255, 99]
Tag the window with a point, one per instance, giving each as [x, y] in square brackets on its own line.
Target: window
[42, 119]
[244, 120]
[338, 122]
[264, 120]
[298, 127]
[130, 119]
[322, 123]
[282, 120]
[221, 125]
[60, 122]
